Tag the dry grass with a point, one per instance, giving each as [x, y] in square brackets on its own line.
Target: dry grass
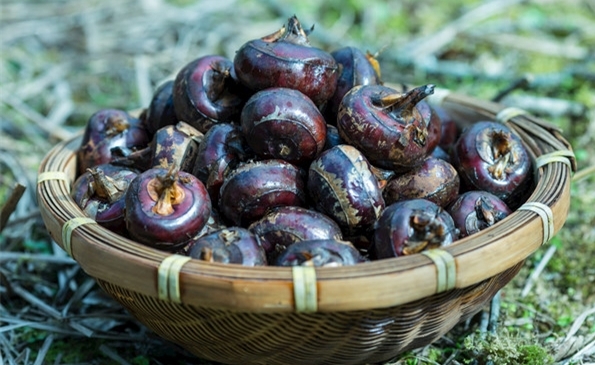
[63, 60]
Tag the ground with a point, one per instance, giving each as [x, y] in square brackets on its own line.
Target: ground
[61, 61]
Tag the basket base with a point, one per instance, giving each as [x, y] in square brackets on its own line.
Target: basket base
[355, 337]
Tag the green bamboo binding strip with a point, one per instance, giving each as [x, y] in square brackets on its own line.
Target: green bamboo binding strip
[507, 114]
[547, 218]
[54, 175]
[305, 290]
[562, 156]
[168, 277]
[69, 227]
[446, 269]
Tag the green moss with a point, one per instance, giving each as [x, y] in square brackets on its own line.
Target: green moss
[503, 349]
[141, 360]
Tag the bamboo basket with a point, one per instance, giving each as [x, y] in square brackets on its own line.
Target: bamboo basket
[367, 313]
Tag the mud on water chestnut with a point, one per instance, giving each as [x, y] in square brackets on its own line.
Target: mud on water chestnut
[175, 145]
[342, 185]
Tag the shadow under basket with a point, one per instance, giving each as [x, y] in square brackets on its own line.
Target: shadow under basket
[366, 313]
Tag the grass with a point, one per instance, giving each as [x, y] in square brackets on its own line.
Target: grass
[55, 74]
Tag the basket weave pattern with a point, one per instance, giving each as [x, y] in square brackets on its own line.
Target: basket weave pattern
[365, 313]
[355, 337]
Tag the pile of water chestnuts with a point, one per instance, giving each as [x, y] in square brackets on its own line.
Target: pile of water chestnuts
[292, 155]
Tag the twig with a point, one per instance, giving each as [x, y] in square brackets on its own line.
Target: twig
[67, 331]
[23, 357]
[33, 214]
[81, 291]
[583, 173]
[578, 322]
[538, 270]
[143, 80]
[20, 174]
[483, 324]
[422, 48]
[113, 355]
[452, 357]
[489, 318]
[64, 106]
[494, 313]
[588, 347]
[6, 348]
[26, 90]
[33, 300]
[9, 207]
[545, 106]
[521, 83]
[47, 343]
[66, 282]
[31, 114]
[82, 329]
[540, 45]
[36, 258]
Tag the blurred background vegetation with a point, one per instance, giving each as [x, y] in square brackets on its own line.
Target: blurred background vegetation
[62, 60]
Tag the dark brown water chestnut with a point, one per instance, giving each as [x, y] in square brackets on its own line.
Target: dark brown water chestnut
[332, 137]
[233, 245]
[434, 121]
[490, 157]
[107, 129]
[355, 68]
[449, 129]
[166, 208]
[161, 111]
[175, 145]
[476, 210]
[222, 148]
[214, 223]
[284, 226]
[387, 126]
[411, 226]
[204, 93]
[285, 124]
[253, 188]
[342, 185]
[320, 253]
[440, 153]
[100, 193]
[435, 180]
[286, 59]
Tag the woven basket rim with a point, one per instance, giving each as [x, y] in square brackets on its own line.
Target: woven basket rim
[378, 284]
